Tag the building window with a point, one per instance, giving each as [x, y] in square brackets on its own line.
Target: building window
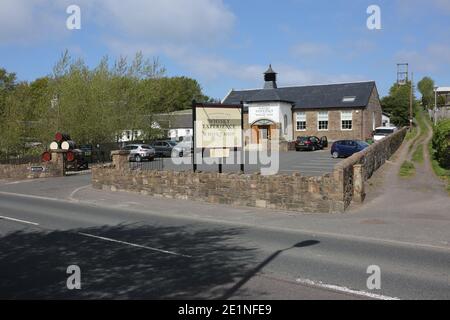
[322, 120]
[346, 120]
[285, 125]
[301, 121]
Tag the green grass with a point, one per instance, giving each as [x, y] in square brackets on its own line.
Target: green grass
[411, 134]
[407, 170]
[442, 173]
[417, 156]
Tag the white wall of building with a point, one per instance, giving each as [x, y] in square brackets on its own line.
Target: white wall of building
[275, 112]
[176, 134]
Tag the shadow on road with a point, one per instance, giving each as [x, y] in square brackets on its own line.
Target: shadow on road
[33, 264]
[232, 291]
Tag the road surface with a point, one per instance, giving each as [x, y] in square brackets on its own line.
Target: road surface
[127, 253]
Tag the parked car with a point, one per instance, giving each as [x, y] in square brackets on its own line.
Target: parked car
[310, 143]
[139, 152]
[347, 148]
[382, 132]
[169, 148]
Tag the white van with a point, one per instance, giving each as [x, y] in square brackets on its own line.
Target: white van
[382, 132]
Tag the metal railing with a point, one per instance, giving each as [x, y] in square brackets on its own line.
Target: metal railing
[21, 160]
[156, 165]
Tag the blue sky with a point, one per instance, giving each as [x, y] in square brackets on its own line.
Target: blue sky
[227, 44]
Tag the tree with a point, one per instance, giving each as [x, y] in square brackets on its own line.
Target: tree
[426, 88]
[397, 103]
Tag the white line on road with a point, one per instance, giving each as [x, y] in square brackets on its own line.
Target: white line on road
[134, 245]
[344, 290]
[78, 190]
[18, 220]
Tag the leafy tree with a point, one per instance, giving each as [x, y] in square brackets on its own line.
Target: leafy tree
[397, 103]
[426, 88]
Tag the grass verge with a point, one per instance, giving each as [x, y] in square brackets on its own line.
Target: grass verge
[407, 170]
[442, 173]
[417, 156]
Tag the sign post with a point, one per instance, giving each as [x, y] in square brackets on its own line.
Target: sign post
[219, 129]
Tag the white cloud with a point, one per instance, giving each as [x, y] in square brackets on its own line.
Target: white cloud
[169, 21]
[433, 59]
[161, 21]
[310, 50]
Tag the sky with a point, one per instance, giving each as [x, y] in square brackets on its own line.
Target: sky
[228, 44]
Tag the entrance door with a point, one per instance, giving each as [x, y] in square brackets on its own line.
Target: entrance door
[264, 134]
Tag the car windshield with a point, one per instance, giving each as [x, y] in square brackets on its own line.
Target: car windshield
[384, 131]
[302, 139]
[147, 147]
[172, 143]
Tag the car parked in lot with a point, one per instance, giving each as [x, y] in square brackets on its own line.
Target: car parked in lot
[140, 152]
[310, 143]
[382, 132]
[347, 148]
[170, 148]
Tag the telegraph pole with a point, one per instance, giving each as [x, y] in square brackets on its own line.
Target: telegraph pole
[411, 113]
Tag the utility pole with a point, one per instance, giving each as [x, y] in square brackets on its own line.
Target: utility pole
[411, 113]
[435, 105]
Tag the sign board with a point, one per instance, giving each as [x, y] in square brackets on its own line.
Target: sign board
[271, 113]
[218, 126]
[220, 153]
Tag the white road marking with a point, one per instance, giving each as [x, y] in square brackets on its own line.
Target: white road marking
[345, 290]
[134, 245]
[78, 190]
[18, 220]
[241, 223]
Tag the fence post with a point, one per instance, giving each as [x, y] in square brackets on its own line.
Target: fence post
[359, 193]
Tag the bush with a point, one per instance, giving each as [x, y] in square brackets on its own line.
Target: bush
[441, 143]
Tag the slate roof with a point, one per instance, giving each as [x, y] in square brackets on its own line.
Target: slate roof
[309, 97]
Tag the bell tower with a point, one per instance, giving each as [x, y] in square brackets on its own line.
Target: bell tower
[270, 78]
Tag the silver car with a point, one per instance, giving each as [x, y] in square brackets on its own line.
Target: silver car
[140, 152]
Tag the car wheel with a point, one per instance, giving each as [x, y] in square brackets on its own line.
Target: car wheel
[137, 158]
[313, 148]
[335, 155]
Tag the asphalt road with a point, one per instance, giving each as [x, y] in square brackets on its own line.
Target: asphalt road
[125, 253]
[307, 163]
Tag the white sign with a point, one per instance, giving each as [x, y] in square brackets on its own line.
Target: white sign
[218, 127]
[256, 113]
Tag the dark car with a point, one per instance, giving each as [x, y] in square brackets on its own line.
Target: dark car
[310, 143]
[347, 148]
[165, 148]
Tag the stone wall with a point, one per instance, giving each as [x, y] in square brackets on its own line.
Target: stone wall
[370, 160]
[55, 168]
[331, 193]
[293, 193]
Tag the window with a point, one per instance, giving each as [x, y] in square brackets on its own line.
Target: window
[322, 120]
[347, 120]
[285, 125]
[348, 99]
[301, 121]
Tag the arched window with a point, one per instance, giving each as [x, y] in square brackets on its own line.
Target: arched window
[285, 124]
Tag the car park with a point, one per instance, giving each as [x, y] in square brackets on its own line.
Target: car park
[347, 148]
[310, 143]
[140, 152]
[382, 132]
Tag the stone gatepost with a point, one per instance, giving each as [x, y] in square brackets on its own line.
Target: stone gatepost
[58, 163]
[120, 159]
[359, 193]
